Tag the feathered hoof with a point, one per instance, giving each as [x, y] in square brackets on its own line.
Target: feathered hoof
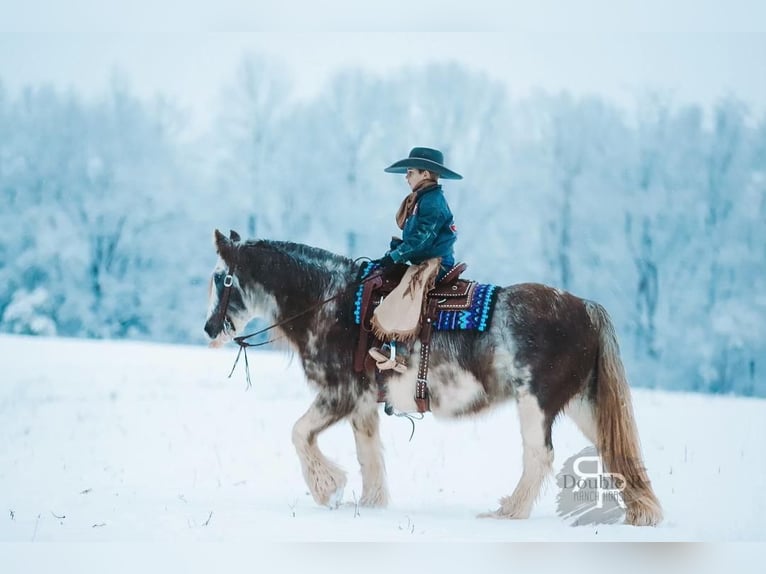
[328, 489]
[377, 499]
[511, 508]
[335, 499]
[505, 513]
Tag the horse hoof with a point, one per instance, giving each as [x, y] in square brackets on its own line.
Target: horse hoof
[378, 500]
[490, 514]
[499, 514]
[336, 498]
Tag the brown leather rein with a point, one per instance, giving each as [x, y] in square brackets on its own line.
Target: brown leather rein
[241, 340]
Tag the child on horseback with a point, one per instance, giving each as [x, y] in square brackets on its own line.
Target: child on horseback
[428, 228]
[428, 232]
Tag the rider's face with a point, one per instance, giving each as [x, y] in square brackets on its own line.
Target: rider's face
[415, 176]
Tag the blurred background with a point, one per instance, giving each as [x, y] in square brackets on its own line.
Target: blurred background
[619, 154]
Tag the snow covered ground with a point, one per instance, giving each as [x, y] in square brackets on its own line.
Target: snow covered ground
[131, 442]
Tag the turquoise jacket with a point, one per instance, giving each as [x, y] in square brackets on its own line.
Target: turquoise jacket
[429, 232]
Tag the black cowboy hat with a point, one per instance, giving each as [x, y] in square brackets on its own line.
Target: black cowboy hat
[424, 158]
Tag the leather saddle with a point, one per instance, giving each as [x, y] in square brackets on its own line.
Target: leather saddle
[450, 293]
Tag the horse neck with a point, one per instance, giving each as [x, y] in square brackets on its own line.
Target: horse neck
[297, 276]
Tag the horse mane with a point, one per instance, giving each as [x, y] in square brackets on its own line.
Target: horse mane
[313, 266]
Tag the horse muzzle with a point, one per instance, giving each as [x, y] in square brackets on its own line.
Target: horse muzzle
[220, 335]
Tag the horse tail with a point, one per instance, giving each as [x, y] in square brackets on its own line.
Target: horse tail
[618, 441]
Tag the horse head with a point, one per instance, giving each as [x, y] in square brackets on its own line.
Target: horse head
[227, 311]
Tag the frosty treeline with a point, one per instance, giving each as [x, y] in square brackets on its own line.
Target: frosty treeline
[107, 205]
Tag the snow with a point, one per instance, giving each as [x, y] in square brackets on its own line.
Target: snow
[137, 442]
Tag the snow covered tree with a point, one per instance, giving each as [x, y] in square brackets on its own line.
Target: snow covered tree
[250, 166]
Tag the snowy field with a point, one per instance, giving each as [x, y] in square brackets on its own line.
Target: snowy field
[129, 442]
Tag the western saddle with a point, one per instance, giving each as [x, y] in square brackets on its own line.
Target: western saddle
[450, 293]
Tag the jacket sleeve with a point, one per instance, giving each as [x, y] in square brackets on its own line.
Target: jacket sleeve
[395, 242]
[430, 218]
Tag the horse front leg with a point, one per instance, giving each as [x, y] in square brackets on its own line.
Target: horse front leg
[365, 422]
[324, 478]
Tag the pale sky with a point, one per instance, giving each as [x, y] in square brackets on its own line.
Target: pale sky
[688, 51]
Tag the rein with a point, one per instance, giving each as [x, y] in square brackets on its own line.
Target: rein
[242, 339]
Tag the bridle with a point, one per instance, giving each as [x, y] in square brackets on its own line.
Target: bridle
[241, 340]
[228, 281]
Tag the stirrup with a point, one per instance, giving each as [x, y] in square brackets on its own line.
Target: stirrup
[386, 362]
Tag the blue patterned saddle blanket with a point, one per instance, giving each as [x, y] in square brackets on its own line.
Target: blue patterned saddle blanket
[471, 312]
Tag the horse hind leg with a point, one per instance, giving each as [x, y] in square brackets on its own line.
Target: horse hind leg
[537, 459]
[365, 423]
[326, 481]
[582, 412]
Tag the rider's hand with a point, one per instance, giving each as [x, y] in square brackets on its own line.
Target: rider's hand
[384, 261]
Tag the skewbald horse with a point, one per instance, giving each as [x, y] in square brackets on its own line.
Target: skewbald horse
[546, 349]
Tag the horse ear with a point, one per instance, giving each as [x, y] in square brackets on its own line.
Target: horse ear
[222, 245]
[234, 236]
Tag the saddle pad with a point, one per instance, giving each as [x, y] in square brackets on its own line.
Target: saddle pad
[475, 318]
[366, 270]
